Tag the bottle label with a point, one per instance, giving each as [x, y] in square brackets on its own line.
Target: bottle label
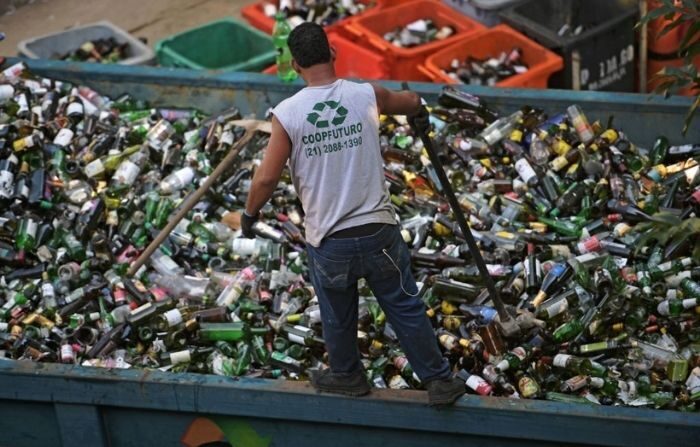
[575, 383]
[479, 385]
[557, 308]
[558, 163]
[226, 138]
[400, 362]
[665, 267]
[185, 175]
[558, 270]
[560, 360]
[682, 149]
[244, 247]
[173, 317]
[63, 137]
[6, 184]
[294, 338]
[126, 173]
[448, 342]
[524, 170]
[6, 92]
[589, 245]
[675, 280]
[597, 382]
[67, 353]
[689, 302]
[30, 228]
[519, 352]
[180, 357]
[94, 168]
[398, 383]
[75, 108]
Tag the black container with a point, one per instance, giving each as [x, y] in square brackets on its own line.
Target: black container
[601, 57]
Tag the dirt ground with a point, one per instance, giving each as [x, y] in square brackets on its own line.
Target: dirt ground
[152, 19]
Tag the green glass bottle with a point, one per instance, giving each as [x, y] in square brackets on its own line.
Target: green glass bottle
[578, 365]
[243, 360]
[260, 351]
[512, 359]
[659, 150]
[73, 246]
[26, 235]
[564, 227]
[690, 288]
[567, 331]
[165, 207]
[280, 34]
[223, 331]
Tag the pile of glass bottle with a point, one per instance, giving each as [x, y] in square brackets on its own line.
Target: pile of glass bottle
[590, 239]
[488, 71]
[106, 50]
[323, 12]
[419, 32]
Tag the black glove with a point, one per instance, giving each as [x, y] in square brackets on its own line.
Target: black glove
[247, 222]
[420, 121]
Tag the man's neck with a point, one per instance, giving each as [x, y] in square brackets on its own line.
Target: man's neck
[321, 74]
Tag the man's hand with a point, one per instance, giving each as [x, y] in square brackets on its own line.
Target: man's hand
[420, 121]
[247, 222]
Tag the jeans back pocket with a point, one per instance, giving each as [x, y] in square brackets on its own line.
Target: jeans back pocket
[334, 274]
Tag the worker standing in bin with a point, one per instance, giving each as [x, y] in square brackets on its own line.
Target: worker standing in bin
[328, 133]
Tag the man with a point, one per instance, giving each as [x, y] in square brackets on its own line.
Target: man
[329, 132]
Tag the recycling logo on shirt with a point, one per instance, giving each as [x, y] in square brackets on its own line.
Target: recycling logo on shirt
[327, 113]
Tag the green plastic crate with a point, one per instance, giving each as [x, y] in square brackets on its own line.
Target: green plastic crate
[225, 44]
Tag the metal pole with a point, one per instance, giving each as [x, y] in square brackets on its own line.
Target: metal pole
[643, 48]
[508, 326]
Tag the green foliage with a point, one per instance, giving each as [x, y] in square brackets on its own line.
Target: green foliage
[680, 13]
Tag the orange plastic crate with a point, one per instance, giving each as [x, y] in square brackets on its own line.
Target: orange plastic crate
[542, 63]
[352, 60]
[669, 42]
[255, 14]
[370, 28]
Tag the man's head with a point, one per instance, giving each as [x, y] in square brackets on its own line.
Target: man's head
[309, 47]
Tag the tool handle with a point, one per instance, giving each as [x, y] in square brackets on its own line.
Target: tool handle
[461, 221]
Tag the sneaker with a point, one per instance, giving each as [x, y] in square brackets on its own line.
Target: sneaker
[444, 391]
[353, 384]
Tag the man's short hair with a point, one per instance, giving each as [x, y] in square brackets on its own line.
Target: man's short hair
[309, 46]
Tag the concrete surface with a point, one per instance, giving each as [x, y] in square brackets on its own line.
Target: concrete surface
[152, 19]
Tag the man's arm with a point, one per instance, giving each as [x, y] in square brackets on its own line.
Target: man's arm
[267, 175]
[396, 103]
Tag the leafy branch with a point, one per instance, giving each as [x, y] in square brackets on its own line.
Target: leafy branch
[680, 13]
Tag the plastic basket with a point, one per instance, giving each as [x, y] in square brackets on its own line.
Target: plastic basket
[542, 62]
[255, 14]
[669, 42]
[52, 45]
[348, 54]
[226, 44]
[369, 31]
[602, 57]
[483, 11]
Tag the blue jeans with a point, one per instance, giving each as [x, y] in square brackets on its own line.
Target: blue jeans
[336, 266]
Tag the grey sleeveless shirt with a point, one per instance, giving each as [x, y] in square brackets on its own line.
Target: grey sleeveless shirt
[335, 162]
